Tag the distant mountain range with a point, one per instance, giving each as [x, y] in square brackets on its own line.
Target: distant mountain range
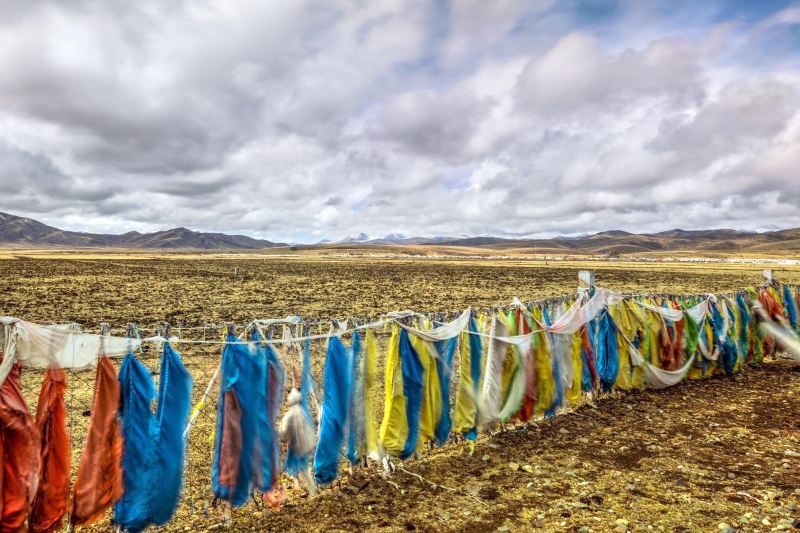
[21, 231]
[713, 241]
[392, 238]
[25, 232]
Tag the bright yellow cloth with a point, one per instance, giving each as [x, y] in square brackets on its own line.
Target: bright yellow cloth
[465, 412]
[431, 409]
[574, 391]
[370, 390]
[621, 319]
[394, 427]
[545, 385]
[737, 332]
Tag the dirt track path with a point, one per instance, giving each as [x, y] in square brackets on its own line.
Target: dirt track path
[685, 459]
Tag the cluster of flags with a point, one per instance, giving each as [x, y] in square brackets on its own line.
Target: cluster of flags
[463, 377]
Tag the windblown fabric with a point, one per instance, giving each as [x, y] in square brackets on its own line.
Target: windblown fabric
[413, 386]
[466, 410]
[607, 352]
[394, 426]
[137, 425]
[20, 454]
[431, 407]
[574, 391]
[785, 337]
[99, 480]
[444, 366]
[578, 315]
[528, 367]
[790, 304]
[355, 427]
[656, 378]
[241, 446]
[491, 399]
[514, 375]
[268, 478]
[335, 407]
[38, 346]
[443, 332]
[563, 369]
[297, 426]
[745, 327]
[298, 434]
[370, 371]
[722, 341]
[697, 312]
[153, 443]
[52, 497]
[172, 414]
[545, 379]
[404, 384]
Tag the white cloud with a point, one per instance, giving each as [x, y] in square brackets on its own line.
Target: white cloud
[298, 120]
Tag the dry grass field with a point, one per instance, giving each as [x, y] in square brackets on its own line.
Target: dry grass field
[681, 460]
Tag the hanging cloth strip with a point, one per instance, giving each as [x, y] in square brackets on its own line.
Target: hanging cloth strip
[697, 312]
[298, 427]
[136, 420]
[578, 315]
[528, 365]
[99, 480]
[784, 335]
[491, 399]
[370, 371]
[355, 427]
[589, 377]
[413, 386]
[545, 384]
[607, 352]
[154, 443]
[514, 384]
[297, 432]
[38, 346]
[655, 377]
[172, 414]
[267, 482]
[241, 458]
[394, 426]
[19, 453]
[50, 504]
[722, 341]
[444, 368]
[563, 369]
[470, 351]
[335, 406]
[399, 432]
[574, 391]
[790, 304]
[442, 333]
[431, 406]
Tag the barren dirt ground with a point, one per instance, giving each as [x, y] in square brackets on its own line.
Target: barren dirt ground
[686, 459]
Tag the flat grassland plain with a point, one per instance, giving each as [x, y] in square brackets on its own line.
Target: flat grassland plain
[685, 459]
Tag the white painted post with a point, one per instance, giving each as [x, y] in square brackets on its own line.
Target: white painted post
[767, 276]
[585, 279]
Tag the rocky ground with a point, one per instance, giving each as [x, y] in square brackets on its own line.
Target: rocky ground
[704, 454]
[721, 454]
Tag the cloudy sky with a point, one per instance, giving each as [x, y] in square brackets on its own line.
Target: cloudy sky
[300, 120]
